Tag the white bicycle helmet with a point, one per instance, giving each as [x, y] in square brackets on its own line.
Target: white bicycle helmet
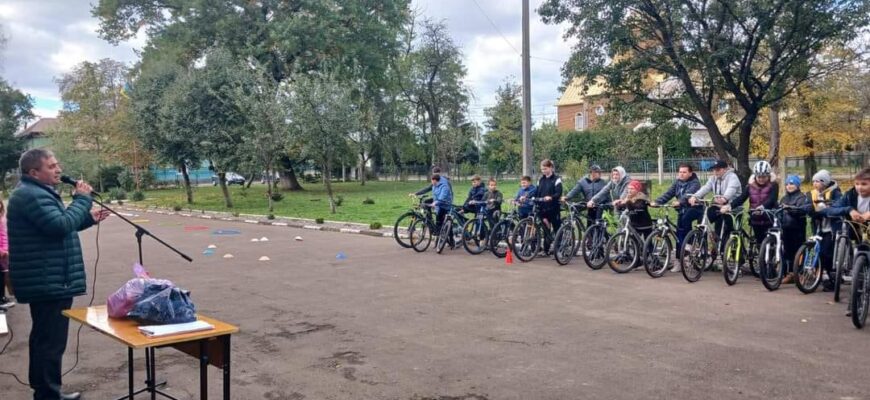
[762, 168]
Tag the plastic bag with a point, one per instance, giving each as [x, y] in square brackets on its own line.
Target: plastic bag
[163, 304]
[121, 302]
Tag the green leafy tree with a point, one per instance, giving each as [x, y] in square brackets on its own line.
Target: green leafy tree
[502, 151]
[749, 52]
[322, 117]
[15, 109]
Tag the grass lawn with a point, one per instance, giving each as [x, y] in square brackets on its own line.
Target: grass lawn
[390, 199]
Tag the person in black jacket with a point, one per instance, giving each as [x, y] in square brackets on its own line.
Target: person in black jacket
[588, 187]
[794, 224]
[636, 201]
[550, 191]
[476, 193]
[686, 184]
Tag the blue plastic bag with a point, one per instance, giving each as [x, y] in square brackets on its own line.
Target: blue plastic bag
[163, 304]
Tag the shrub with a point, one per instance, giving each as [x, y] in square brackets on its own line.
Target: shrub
[270, 216]
[138, 196]
[109, 175]
[339, 200]
[118, 193]
[375, 225]
[369, 200]
[310, 178]
[177, 208]
[319, 220]
[236, 214]
[277, 196]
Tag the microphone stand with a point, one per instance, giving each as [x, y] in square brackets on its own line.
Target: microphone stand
[140, 231]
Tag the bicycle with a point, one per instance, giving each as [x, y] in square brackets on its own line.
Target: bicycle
[860, 301]
[475, 231]
[499, 236]
[844, 252]
[702, 245]
[624, 248]
[595, 239]
[450, 229]
[807, 263]
[740, 250]
[770, 251]
[660, 243]
[406, 221]
[569, 235]
[530, 234]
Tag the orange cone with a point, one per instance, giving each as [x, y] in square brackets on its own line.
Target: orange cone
[509, 258]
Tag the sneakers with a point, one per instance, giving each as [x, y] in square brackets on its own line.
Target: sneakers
[789, 279]
[7, 303]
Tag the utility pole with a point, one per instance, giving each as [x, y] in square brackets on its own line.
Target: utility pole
[528, 165]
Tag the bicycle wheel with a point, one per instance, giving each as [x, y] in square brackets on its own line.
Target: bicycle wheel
[768, 266]
[860, 290]
[564, 246]
[444, 234]
[593, 248]
[499, 238]
[474, 238]
[808, 271]
[420, 235]
[578, 228]
[402, 227]
[752, 256]
[622, 252]
[695, 256]
[525, 240]
[657, 253]
[842, 261]
[732, 260]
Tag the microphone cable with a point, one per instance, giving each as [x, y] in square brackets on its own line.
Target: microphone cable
[78, 332]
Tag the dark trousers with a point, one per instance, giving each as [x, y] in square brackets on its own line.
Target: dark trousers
[723, 226]
[48, 337]
[686, 218]
[552, 216]
[2, 284]
[592, 215]
[792, 239]
[760, 232]
[826, 256]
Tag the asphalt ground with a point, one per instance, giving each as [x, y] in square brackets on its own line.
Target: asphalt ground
[387, 323]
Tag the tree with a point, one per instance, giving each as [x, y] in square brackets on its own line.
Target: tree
[155, 123]
[502, 150]
[92, 109]
[15, 109]
[683, 56]
[322, 118]
[357, 38]
[432, 73]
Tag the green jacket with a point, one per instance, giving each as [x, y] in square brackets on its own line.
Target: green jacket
[45, 255]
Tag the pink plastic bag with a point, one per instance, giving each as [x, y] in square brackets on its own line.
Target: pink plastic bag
[121, 302]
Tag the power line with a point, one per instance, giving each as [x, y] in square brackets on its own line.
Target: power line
[496, 27]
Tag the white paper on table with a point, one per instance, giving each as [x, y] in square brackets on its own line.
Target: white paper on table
[175, 329]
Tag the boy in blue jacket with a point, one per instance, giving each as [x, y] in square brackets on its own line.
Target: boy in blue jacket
[476, 193]
[527, 191]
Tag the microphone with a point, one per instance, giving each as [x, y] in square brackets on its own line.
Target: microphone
[71, 181]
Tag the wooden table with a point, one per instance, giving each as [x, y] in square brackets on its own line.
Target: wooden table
[210, 347]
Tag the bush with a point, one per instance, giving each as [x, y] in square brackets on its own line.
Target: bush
[277, 196]
[310, 178]
[117, 193]
[109, 176]
[375, 225]
[138, 196]
[339, 200]
[177, 208]
[236, 214]
[319, 220]
[369, 200]
[270, 216]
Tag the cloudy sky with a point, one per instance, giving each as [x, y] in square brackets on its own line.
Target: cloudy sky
[47, 38]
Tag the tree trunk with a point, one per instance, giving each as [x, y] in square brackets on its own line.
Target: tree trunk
[187, 186]
[327, 180]
[775, 136]
[269, 188]
[362, 170]
[289, 180]
[810, 167]
[222, 179]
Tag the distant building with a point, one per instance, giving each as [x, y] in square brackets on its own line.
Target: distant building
[37, 134]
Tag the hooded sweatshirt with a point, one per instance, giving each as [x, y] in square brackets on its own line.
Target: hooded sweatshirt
[614, 190]
[728, 186]
[821, 200]
[681, 190]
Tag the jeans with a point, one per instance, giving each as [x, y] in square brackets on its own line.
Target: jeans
[48, 336]
[687, 216]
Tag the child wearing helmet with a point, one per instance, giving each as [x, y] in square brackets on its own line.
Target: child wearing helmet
[762, 193]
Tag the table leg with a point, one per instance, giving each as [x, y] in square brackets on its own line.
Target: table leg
[226, 366]
[130, 373]
[152, 385]
[203, 369]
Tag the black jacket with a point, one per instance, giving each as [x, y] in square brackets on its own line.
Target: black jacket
[552, 187]
[795, 218]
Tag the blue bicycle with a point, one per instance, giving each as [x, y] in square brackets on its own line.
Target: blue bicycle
[807, 263]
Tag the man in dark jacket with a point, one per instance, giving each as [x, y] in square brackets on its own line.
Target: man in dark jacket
[588, 187]
[46, 263]
[549, 190]
[686, 184]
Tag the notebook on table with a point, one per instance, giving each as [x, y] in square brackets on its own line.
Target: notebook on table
[175, 329]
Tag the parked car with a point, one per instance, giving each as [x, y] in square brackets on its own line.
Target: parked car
[232, 178]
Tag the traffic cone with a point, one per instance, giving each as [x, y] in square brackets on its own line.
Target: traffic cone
[509, 258]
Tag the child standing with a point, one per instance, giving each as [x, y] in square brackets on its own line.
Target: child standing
[527, 191]
[5, 302]
[794, 224]
[825, 192]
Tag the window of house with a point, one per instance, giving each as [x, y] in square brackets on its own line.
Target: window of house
[599, 111]
[579, 121]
